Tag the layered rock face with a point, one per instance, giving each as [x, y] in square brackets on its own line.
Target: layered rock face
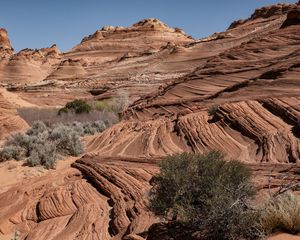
[118, 57]
[293, 17]
[28, 65]
[91, 201]
[255, 90]
[10, 122]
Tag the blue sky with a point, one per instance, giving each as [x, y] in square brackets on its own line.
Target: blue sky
[40, 23]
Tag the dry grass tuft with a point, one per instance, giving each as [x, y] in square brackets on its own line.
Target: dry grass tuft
[281, 213]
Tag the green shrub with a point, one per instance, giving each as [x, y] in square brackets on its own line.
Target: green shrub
[207, 193]
[281, 213]
[106, 104]
[63, 110]
[78, 106]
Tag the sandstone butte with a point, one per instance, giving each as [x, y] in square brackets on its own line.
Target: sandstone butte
[237, 91]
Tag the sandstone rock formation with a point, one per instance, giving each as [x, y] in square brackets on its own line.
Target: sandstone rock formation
[255, 87]
[293, 17]
[94, 200]
[10, 122]
[6, 49]
[237, 91]
[28, 65]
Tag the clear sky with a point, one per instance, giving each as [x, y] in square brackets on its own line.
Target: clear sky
[40, 23]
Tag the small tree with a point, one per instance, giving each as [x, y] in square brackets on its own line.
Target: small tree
[207, 193]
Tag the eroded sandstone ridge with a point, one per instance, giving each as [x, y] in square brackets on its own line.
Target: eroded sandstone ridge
[97, 199]
[236, 91]
[244, 102]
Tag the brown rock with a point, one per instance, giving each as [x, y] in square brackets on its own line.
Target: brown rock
[4, 40]
[293, 18]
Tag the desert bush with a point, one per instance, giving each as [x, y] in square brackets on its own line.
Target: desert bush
[67, 140]
[95, 127]
[20, 140]
[41, 145]
[212, 110]
[103, 105]
[207, 193]
[11, 152]
[78, 106]
[121, 101]
[44, 155]
[281, 213]
[37, 128]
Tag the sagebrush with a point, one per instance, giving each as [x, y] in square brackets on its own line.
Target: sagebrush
[206, 193]
[43, 145]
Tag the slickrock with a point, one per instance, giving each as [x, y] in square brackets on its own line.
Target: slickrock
[255, 88]
[10, 122]
[98, 200]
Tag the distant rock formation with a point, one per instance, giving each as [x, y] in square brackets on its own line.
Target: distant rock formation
[4, 40]
[265, 12]
[28, 65]
[6, 49]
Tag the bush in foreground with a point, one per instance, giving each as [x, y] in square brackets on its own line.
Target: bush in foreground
[281, 213]
[206, 193]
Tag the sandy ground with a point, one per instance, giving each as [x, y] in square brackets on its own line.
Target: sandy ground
[12, 172]
[284, 236]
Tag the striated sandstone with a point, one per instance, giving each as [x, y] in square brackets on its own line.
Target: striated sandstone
[97, 200]
[236, 91]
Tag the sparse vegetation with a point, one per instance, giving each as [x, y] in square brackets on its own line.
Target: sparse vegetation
[50, 116]
[281, 213]
[212, 110]
[208, 194]
[121, 101]
[16, 235]
[55, 132]
[106, 110]
[77, 106]
[43, 145]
